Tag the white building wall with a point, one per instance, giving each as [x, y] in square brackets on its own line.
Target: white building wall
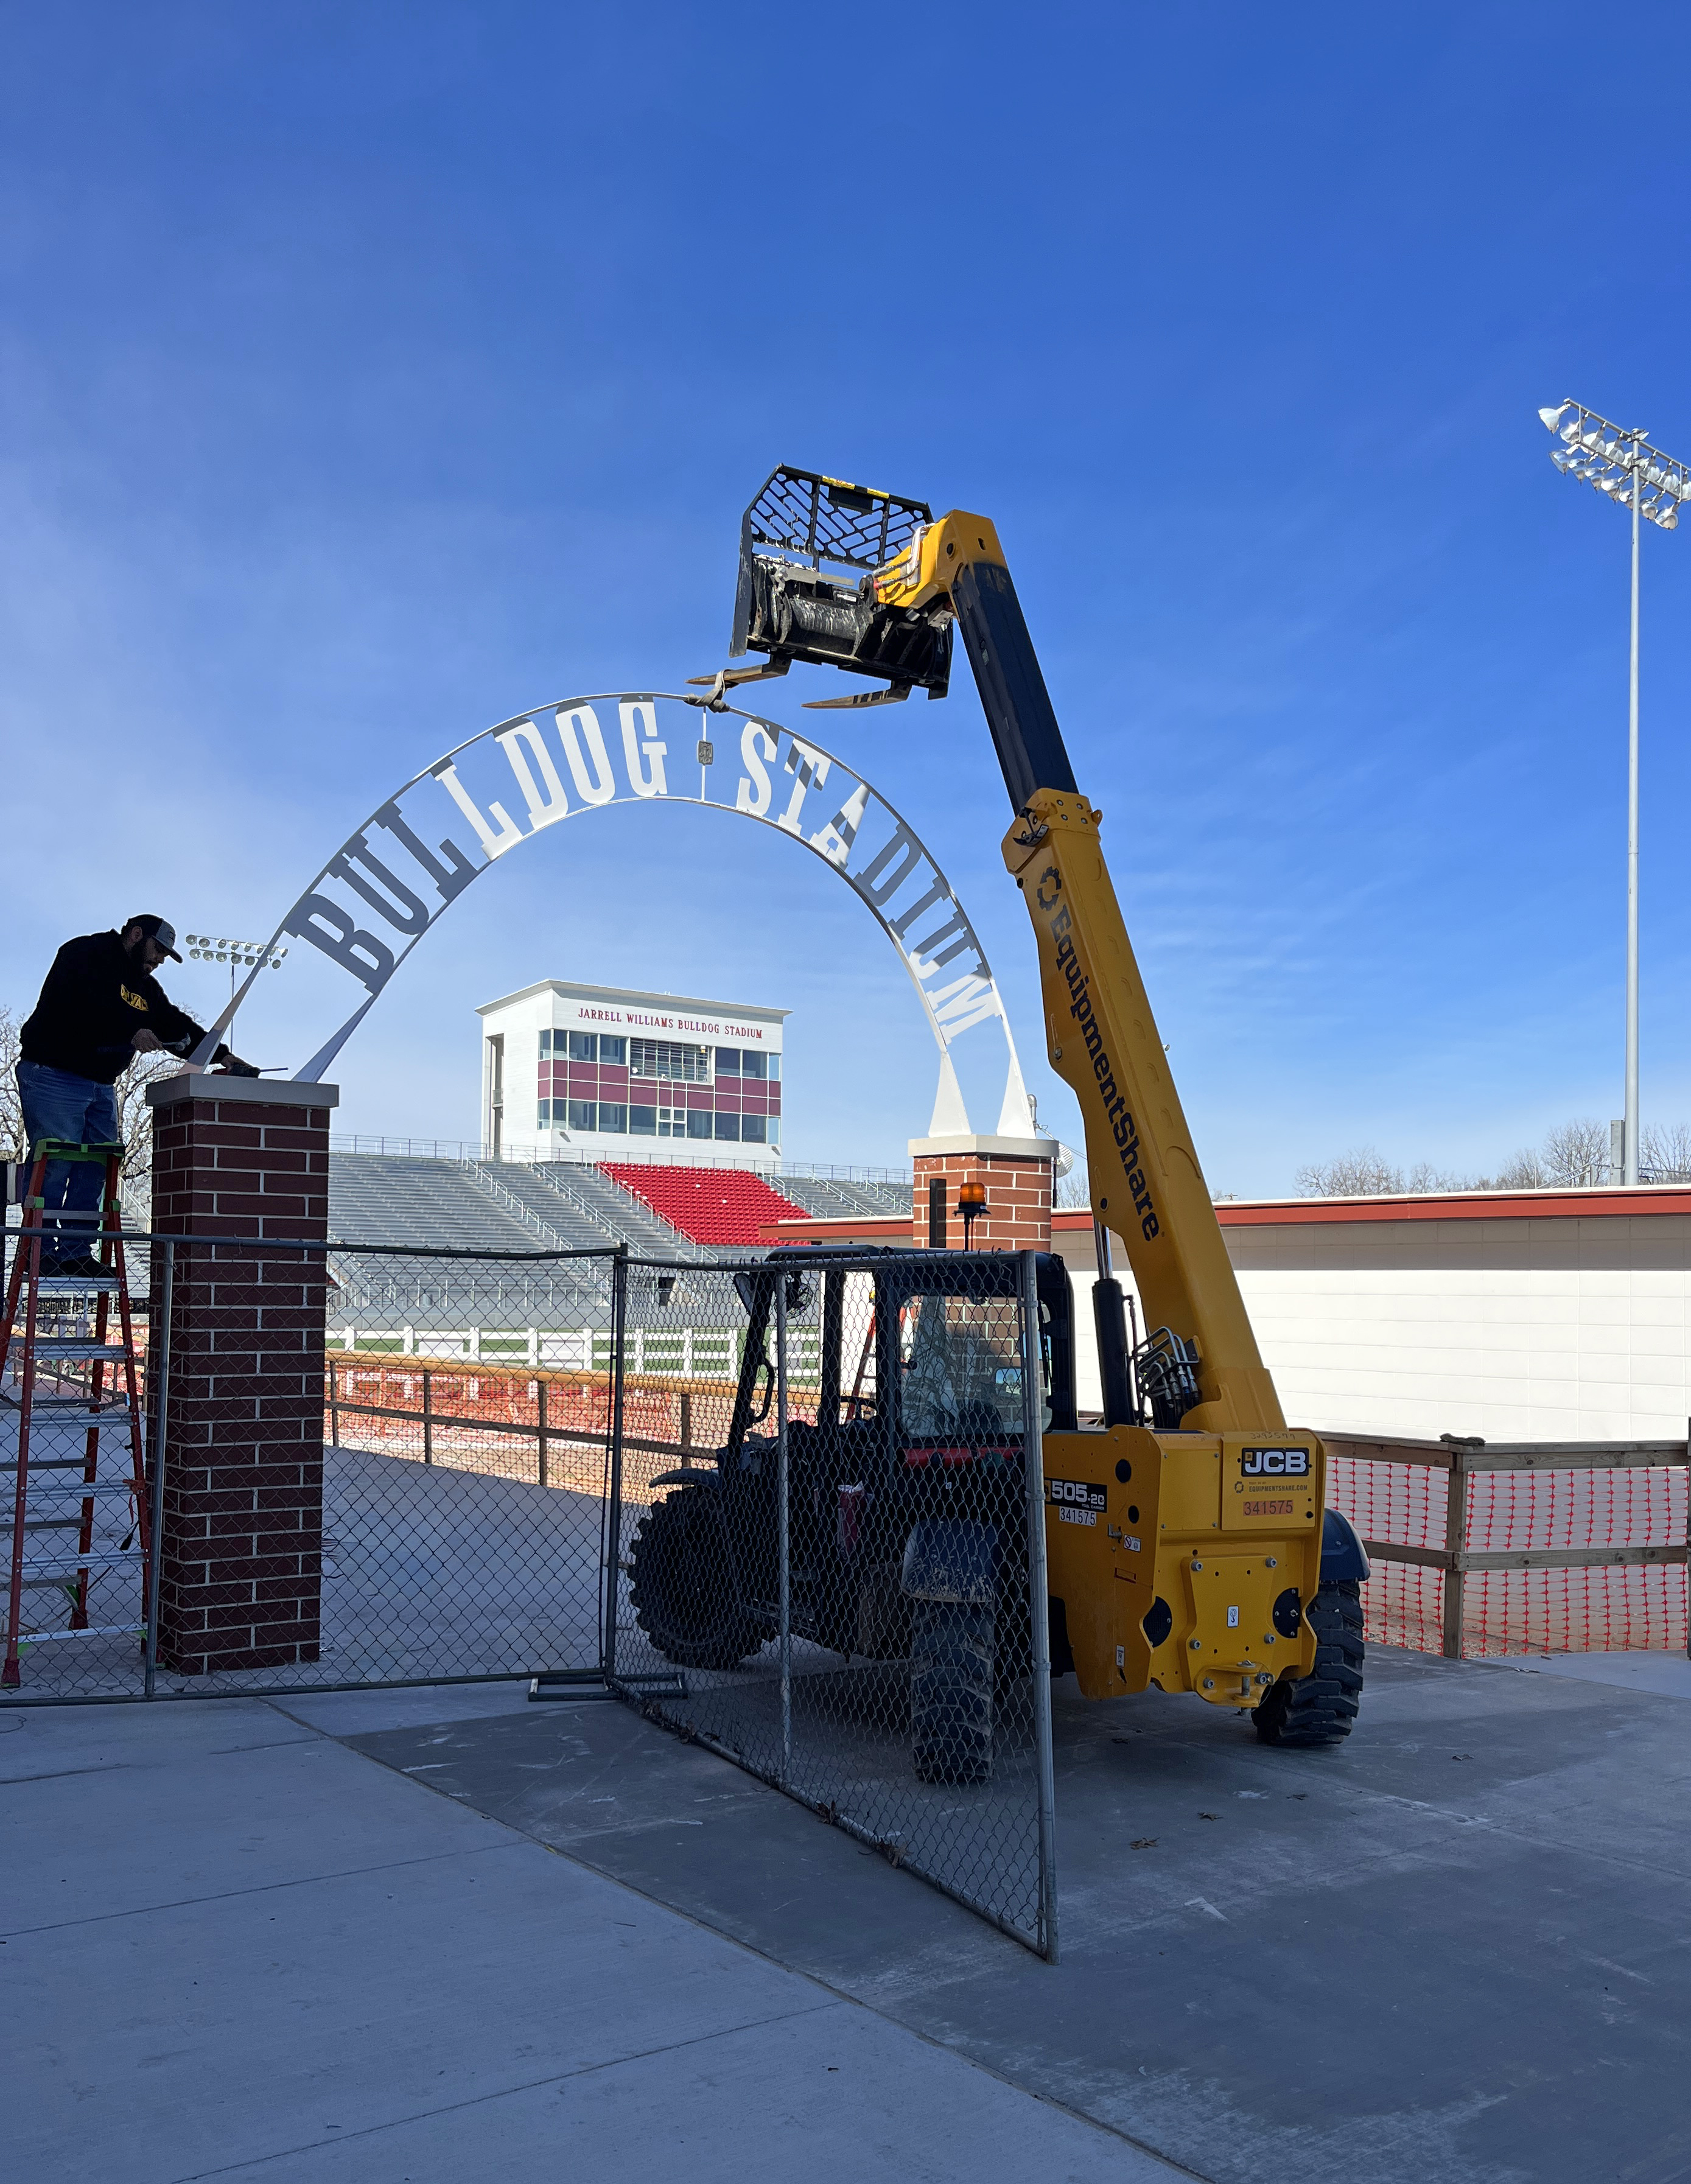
[1518, 1329]
[1514, 1330]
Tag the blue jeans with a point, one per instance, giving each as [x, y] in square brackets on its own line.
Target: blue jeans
[77, 1111]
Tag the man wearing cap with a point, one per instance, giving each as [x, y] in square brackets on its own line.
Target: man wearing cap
[100, 1007]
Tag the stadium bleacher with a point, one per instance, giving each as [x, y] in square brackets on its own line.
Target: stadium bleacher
[626, 1219]
[381, 1198]
[833, 1198]
[660, 1211]
[721, 1205]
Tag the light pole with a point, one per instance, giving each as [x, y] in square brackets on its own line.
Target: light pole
[1625, 467]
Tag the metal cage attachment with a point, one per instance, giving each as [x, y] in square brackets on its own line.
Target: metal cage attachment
[808, 547]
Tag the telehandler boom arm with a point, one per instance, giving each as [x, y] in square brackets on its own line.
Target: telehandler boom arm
[1147, 1186]
[1191, 1548]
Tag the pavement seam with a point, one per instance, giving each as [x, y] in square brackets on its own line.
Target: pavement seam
[60, 1774]
[269, 1888]
[507, 2092]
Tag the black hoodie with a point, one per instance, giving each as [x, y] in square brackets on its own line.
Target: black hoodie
[95, 999]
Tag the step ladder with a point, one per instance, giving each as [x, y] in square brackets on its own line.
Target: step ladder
[69, 1393]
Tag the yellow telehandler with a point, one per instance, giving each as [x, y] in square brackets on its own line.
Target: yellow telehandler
[1189, 1544]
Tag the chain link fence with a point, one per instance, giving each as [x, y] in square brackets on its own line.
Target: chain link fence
[364, 1466]
[842, 1588]
[791, 1509]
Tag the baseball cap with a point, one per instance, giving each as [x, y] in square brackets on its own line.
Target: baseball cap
[155, 928]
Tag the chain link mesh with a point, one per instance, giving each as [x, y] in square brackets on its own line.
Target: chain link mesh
[379, 1466]
[834, 1587]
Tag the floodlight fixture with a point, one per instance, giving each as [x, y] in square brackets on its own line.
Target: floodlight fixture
[1619, 463]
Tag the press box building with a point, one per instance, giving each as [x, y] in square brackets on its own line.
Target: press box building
[612, 1072]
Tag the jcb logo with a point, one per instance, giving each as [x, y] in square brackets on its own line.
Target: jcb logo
[1274, 1463]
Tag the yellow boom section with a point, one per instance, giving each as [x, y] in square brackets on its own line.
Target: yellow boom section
[1147, 1186]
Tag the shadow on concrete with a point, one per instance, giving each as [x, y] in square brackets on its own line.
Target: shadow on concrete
[1453, 1947]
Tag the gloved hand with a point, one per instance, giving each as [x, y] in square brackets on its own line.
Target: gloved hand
[232, 1066]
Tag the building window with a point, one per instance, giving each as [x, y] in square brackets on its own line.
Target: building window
[752, 1129]
[613, 1117]
[543, 1117]
[643, 1122]
[774, 1129]
[545, 1045]
[728, 1126]
[775, 1068]
[728, 1061]
[613, 1050]
[671, 1121]
[583, 1046]
[584, 1115]
[700, 1122]
[663, 1057]
[751, 1064]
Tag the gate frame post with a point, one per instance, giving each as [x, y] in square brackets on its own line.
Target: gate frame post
[783, 1481]
[612, 1533]
[1033, 1464]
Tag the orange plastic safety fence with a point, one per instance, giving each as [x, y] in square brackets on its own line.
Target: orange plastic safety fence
[1600, 1609]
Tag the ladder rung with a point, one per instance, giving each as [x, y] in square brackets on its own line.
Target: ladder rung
[72, 1489]
[100, 1630]
[116, 1399]
[75, 1285]
[79, 1349]
[51, 1463]
[48, 1569]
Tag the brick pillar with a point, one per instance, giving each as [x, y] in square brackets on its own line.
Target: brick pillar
[242, 1539]
[1017, 1174]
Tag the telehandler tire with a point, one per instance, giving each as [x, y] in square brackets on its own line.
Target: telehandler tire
[1320, 1707]
[951, 1690]
[681, 1583]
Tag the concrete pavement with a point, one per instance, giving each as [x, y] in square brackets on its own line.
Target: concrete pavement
[234, 1947]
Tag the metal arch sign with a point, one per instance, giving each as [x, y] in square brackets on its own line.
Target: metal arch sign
[387, 886]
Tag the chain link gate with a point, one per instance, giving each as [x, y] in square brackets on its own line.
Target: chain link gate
[840, 1586]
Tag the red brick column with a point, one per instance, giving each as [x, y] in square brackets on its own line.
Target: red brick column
[242, 1539]
[1016, 1173]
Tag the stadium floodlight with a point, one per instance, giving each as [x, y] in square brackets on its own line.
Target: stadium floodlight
[1622, 464]
[245, 955]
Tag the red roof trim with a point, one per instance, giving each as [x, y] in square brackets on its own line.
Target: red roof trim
[1603, 1203]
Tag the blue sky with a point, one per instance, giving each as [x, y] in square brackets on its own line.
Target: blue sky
[372, 374]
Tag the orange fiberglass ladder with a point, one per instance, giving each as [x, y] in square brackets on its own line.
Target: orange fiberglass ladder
[62, 1381]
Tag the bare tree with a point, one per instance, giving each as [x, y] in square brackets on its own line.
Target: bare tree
[1667, 1150]
[1073, 1189]
[1577, 1153]
[1574, 1155]
[11, 1106]
[135, 1117]
[1361, 1174]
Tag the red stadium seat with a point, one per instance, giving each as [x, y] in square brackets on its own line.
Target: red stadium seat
[711, 1205]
